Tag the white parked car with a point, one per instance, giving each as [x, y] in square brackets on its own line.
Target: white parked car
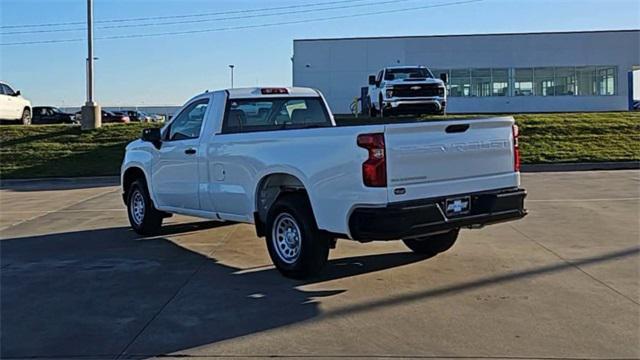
[13, 107]
[304, 182]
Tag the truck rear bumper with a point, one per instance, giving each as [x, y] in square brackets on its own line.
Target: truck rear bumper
[423, 217]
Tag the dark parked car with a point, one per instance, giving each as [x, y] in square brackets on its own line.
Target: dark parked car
[108, 117]
[135, 115]
[51, 115]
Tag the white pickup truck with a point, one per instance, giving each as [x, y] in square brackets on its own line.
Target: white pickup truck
[412, 90]
[274, 157]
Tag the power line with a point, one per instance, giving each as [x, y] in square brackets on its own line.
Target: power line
[244, 27]
[182, 16]
[237, 17]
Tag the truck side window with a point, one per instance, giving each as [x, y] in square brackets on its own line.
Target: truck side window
[188, 123]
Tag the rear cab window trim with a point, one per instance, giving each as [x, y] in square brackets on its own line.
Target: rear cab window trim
[265, 128]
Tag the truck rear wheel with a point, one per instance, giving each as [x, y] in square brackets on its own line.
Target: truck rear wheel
[144, 218]
[433, 244]
[296, 246]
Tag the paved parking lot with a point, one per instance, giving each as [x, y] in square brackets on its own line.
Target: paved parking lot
[562, 283]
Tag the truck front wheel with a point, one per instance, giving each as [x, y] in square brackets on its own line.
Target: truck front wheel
[144, 218]
[433, 244]
[296, 246]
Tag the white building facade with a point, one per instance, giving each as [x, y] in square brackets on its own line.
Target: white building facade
[494, 73]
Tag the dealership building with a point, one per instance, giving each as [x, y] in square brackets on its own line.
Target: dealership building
[488, 73]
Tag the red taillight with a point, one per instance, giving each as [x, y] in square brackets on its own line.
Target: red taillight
[374, 170]
[516, 148]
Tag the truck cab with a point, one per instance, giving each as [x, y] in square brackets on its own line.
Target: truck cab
[406, 90]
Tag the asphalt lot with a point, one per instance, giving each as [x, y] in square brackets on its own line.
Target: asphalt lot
[562, 283]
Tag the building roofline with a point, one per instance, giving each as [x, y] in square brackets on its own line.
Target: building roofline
[468, 35]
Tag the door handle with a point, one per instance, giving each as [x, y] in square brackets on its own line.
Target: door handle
[190, 151]
[457, 128]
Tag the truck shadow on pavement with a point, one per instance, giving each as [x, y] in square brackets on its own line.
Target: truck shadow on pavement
[110, 293]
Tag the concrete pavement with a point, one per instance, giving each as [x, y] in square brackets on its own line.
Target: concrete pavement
[562, 283]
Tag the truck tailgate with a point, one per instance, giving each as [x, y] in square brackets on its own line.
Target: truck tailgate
[443, 158]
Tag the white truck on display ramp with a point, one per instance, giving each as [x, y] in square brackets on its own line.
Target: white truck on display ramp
[274, 157]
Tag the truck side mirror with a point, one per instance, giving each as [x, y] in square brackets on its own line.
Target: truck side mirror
[152, 135]
[17, 93]
[444, 77]
[372, 79]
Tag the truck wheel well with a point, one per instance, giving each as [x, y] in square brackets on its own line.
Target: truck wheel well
[130, 175]
[270, 188]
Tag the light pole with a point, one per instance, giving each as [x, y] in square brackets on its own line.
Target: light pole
[91, 114]
[231, 67]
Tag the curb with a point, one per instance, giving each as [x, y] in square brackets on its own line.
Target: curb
[100, 180]
[586, 166]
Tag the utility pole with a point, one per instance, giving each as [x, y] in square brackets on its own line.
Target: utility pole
[231, 67]
[91, 114]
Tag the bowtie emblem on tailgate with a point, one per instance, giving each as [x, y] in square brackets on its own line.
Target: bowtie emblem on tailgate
[458, 206]
[415, 87]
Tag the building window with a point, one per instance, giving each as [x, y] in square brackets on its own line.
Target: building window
[565, 81]
[586, 77]
[481, 82]
[460, 83]
[523, 82]
[607, 80]
[544, 81]
[499, 82]
[437, 72]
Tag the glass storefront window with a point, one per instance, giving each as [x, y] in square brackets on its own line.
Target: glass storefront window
[541, 81]
[437, 72]
[500, 82]
[607, 80]
[481, 82]
[545, 84]
[460, 83]
[523, 82]
[586, 77]
[565, 79]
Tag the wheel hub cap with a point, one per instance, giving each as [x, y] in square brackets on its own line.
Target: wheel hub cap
[137, 207]
[286, 237]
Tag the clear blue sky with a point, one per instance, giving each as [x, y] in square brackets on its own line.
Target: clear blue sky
[168, 70]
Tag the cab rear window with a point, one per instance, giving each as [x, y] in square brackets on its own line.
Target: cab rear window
[268, 114]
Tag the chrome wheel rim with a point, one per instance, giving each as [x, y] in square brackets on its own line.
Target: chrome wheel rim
[137, 207]
[287, 238]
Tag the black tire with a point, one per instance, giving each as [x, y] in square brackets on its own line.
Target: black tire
[382, 113]
[295, 257]
[26, 116]
[145, 220]
[433, 244]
